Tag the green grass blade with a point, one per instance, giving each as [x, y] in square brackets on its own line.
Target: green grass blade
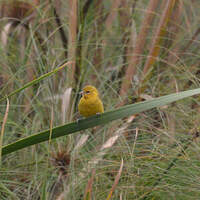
[35, 81]
[90, 122]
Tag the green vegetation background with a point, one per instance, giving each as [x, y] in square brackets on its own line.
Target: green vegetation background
[159, 147]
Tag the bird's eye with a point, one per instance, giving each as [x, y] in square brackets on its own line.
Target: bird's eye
[87, 92]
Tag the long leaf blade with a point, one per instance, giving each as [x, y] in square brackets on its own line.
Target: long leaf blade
[90, 122]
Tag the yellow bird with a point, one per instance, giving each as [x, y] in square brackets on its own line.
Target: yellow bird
[90, 103]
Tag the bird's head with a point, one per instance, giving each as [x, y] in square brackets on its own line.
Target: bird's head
[89, 92]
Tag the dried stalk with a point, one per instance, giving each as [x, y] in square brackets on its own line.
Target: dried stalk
[3, 128]
[72, 41]
[61, 31]
[174, 29]
[139, 46]
[130, 35]
[156, 43]
[112, 15]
